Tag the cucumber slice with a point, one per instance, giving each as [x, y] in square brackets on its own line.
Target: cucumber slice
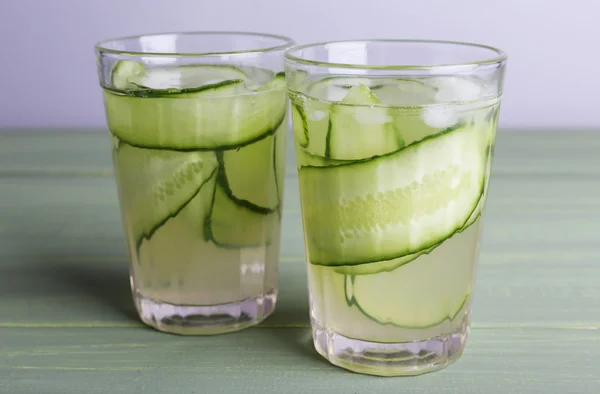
[279, 155]
[174, 79]
[132, 75]
[225, 88]
[277, 83]
[429, 311]
[306, 159]
[390, 265]
[249, 177]
[315, 120]
[124, 72]
[256, 76]
[425, 293]
[176, 249]
[393, 205]
[221, 115]
[154, 185]
[299, 126]
[404, 97]
[381, 266]
[359, 130]
[250, 172]
[314, 110]
[346, 125]
[231, 225]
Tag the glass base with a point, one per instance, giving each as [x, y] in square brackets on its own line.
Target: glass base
[390, 359]
[205, 320]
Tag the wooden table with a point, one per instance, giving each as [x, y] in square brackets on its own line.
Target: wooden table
[67, 323]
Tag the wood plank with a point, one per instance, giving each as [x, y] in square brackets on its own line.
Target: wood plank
[527, 291]
[565, 152]
[44, 152]
[262, 360]
[517, 152]
[546, 212]
[62, 245]
[67, 324]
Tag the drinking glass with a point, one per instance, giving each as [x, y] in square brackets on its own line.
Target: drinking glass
[394, 142]
[198, 127]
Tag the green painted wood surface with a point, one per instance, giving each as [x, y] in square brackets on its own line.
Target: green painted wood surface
[67, 323]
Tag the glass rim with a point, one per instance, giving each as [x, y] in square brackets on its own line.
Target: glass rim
[500, 57]
[286, 42]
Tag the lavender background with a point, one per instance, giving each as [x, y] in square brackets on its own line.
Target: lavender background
[48, 72]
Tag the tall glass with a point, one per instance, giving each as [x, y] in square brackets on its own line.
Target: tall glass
[394, 143]
[198, 125]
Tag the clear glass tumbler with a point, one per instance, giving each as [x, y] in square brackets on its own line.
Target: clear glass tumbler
[198, 125]
[394, 143]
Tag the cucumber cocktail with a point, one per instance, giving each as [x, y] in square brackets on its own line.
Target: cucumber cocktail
[393, 168]
[198, 152]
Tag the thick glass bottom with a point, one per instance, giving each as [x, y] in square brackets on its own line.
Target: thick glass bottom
[205, 320]
[390, 359]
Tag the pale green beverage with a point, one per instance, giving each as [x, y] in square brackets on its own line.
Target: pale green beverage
[198, 152]
[393, 177]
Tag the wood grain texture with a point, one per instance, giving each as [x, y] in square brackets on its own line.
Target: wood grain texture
[264, 360]
[67, 323]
